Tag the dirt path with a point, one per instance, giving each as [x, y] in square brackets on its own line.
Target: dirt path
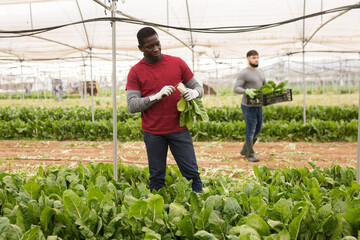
[15, 155]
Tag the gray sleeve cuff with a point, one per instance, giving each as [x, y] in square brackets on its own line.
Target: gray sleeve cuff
[193, 84]
[136, 103]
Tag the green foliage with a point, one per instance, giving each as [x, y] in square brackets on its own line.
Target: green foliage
[280, 122]
[191, 111]
[60, 202]
[272, 88]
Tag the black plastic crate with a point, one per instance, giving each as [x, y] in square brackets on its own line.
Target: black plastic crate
[268, 99]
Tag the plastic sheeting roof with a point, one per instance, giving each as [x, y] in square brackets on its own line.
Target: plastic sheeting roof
[337, 31]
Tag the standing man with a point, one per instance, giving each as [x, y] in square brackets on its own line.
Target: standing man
[58, 92]
[247, 80]
[150, 89]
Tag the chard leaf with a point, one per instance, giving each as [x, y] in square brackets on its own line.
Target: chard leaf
[283, 235]
[150, 234]
[272, 84]
[138, 209]
[177, 210]
[182, 119]
[9, 231]
[325, 211]
[92, 220]
[32, 188]
[108, 213]
[186, 226]
[352, 216]
[245, 232]
[282, 207]
[10, 186]
[204, 235]
[218, 226]
[196, 205]
[203, 217]
[231, 207]
[95, 197]
[53, 238]
[2, 197]
[337, 231]
[181, 104]
[25, 217]
[45, 218]
[346, 227]
[294, 227]
[156, 206]
[101, 184]
[34, 233]
[86, 232]
[256, 202]
[276, 225]
[74, 206]
[256, 222]
[191, 111]
[281, 85]
[129, 200]
[111, 227]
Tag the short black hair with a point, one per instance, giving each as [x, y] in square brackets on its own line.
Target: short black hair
[252, 53]
[144, 33]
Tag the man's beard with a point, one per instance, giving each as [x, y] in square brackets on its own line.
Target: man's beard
[254, 65]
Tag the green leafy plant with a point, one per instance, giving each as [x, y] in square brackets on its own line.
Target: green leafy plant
[272, 88]
[190, 111]
[85, 202]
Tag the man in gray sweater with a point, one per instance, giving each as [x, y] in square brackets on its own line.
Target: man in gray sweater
[246, 82]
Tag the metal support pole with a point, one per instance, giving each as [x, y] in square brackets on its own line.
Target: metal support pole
[191, 37]
[113, 25]
[358, 143]
[22, 82]
[37, 87]
[92, 86]
[358, 146]
[340, 81]
[217, 55]
[45, 89]
[85, 84]
[303, 67]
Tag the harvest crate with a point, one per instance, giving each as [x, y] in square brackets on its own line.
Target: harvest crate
[268, 99]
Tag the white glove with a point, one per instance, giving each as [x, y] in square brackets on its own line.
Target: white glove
[250, 92]
[190, 94]
[164, 92]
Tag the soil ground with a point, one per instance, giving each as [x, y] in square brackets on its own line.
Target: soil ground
[211, 156]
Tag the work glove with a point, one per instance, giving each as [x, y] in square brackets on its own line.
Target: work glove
[250, 92]
[164, 92]
[190, 94]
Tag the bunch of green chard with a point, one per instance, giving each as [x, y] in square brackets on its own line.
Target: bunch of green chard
[190, 111]
[272, 88]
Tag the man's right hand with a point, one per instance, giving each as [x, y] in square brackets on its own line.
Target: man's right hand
[164, 92]
[250, 92]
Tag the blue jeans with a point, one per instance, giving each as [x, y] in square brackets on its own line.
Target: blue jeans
[253, 117]
[181, 147]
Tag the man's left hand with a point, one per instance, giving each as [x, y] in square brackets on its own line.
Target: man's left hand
[190, 94]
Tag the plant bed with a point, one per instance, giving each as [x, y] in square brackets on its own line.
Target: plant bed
[267, 99]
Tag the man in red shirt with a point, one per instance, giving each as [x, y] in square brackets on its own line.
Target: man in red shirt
[150, 89]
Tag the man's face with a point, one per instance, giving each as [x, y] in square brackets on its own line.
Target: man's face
[253, 61]
[151, 47]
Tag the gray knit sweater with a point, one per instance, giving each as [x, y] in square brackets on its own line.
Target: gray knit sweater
[248, 78]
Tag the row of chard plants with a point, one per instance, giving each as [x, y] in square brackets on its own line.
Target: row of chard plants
[84, 202]
[225, 123]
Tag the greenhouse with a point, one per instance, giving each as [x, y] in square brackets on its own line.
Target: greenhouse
[75, 159]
